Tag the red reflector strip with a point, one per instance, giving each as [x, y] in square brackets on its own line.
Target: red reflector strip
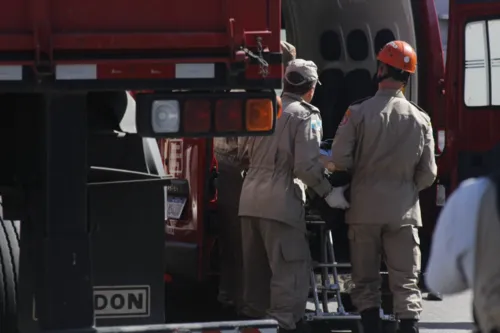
[135, 71]
[152, 71]
[108, 71]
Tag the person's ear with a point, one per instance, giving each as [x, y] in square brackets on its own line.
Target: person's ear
[310, 93]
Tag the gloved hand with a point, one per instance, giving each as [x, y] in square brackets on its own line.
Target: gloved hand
[336, 199]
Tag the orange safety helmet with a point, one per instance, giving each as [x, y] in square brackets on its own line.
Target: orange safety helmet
[400, 55]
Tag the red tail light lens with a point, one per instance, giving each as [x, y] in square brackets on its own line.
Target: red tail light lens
[229, 115]
[197, 116]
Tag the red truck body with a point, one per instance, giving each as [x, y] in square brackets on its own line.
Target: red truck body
[139, 41]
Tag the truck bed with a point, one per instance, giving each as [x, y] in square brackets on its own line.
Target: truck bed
[118, 25]
[135, 35]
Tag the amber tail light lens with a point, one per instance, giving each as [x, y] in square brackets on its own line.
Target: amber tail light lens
[259, 115]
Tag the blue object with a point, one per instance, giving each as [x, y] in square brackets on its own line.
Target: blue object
[325, 152]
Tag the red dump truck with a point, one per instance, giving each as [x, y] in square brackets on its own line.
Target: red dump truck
[83, 196]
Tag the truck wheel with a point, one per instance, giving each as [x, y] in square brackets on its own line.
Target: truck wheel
[9, 272]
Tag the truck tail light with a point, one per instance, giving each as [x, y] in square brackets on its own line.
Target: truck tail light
[202, 114]
[200, 111]
[441, 140]
[229, 115]
[259, 115]
[165, 116]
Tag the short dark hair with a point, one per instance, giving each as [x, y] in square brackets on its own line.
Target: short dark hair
[397, 74]
[300, 89]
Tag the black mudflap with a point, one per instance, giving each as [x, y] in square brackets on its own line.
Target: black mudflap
[128, 241]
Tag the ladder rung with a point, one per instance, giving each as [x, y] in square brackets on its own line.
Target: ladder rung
[345, 316]
[331, 265]
[333, 316]
[315, 221]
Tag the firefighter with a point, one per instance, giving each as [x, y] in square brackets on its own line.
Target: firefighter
[229, 182]
[276, 257]
[387, 143]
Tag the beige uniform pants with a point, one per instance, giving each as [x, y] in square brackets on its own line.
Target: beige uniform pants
[399, 247]
[230, 182]
[276, 263]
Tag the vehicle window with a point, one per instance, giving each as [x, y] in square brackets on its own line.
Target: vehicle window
[482, 63]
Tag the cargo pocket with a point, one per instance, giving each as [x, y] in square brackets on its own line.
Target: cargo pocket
[294, 273]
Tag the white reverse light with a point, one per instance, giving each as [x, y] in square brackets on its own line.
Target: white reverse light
[165, 116]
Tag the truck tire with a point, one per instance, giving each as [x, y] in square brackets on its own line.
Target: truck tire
[9, 272]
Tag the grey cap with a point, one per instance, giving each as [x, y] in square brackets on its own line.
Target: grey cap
[306, 68]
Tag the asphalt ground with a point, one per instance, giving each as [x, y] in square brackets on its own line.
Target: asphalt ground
[451, 315]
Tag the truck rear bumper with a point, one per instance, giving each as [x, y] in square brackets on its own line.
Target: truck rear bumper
[246, 326]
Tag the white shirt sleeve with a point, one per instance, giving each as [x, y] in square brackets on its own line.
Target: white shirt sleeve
[451, 263]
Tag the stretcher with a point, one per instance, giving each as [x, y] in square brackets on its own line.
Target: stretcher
[330, 305]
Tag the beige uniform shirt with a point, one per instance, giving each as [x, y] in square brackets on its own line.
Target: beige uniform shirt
[280, 163]
[387, 143]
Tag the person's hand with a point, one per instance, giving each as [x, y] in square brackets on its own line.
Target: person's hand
[336, 199]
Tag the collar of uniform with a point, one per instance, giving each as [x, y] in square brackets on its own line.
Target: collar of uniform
[390, 92]
[293, 96]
